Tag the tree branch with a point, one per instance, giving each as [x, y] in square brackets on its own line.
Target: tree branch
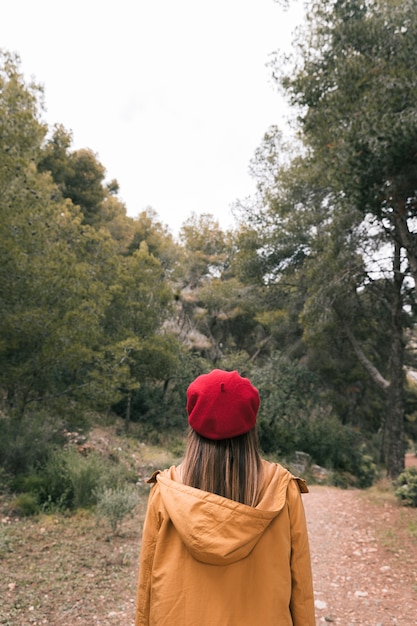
[365, 362]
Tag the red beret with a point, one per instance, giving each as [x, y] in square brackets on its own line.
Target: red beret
[222, 405]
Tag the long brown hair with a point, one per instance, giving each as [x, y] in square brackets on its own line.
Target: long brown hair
[228, 467]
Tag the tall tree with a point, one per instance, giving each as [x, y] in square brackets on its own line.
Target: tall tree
[134, 347]
[51, 300]
[159, 241]
[354, 85]
[78, 174]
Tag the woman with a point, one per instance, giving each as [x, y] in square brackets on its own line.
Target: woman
[224, 541]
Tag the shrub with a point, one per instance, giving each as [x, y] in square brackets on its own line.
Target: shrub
[289, 396]
[406, 487]
[367, 470]
[55, 489]
[338, 447]
[6, 541]
[25, 504]
[29, 483]
[86, 474]
[293, 417]
[25, 443]
[115, 504]
[70, 480]
[5, 480]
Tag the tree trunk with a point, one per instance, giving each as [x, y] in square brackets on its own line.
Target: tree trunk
[394, 424]
[393, 444]
[129, 404]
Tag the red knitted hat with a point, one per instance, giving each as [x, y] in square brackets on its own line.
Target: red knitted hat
[222, 405]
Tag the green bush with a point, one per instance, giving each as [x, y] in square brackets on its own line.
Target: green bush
[406, 487]
[25, 504]
[116, 504]
[27, 483]
[329, 443]
[86, 474]
[341, 448]
[293, 418]
[367, 470]
[56, 490]
[6, 541]
[25, 443]
[5, 480]
[70, 480]
[289, 395]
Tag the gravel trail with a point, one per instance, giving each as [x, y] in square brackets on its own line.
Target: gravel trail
[364, 570]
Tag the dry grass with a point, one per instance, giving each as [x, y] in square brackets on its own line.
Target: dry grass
[396, 525]
[57, 569]
[61, 569]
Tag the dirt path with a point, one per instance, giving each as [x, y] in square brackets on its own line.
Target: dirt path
[365, 571]
[68, 570]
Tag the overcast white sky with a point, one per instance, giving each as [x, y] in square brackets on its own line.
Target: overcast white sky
[172, 95]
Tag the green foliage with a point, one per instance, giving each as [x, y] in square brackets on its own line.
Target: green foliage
[358, 88]
[84, 183]
[159, 241]
[159, 409]
[289, 394]
[338, 447]
[78, 175]
[6, 541]
[56, 490]
[25, 443]
[114, 504]
[70, 480]
[5, 479]
[206, 246]
[293, 418]
[406, 487]
[72, 294]
[52, 313]
[367, 471]
[55, 155]
[20, 130]
[335, 223]
[140, 298]
[89, 321]
[25, 504]
[85, 474]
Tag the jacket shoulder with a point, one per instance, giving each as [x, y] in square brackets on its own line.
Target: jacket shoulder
[301, 483]
[286, 476]
[152, 479]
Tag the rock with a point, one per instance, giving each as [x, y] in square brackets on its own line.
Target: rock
[320, 604]
[320, 474]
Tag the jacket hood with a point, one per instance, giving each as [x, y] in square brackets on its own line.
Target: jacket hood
[216, 530]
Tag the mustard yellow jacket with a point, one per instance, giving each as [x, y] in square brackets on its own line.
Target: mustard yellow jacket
[209, 561]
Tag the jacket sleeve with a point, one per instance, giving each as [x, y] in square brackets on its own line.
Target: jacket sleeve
[302, 597]
[147, 551]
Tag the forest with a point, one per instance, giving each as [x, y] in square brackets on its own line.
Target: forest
[311, 295]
